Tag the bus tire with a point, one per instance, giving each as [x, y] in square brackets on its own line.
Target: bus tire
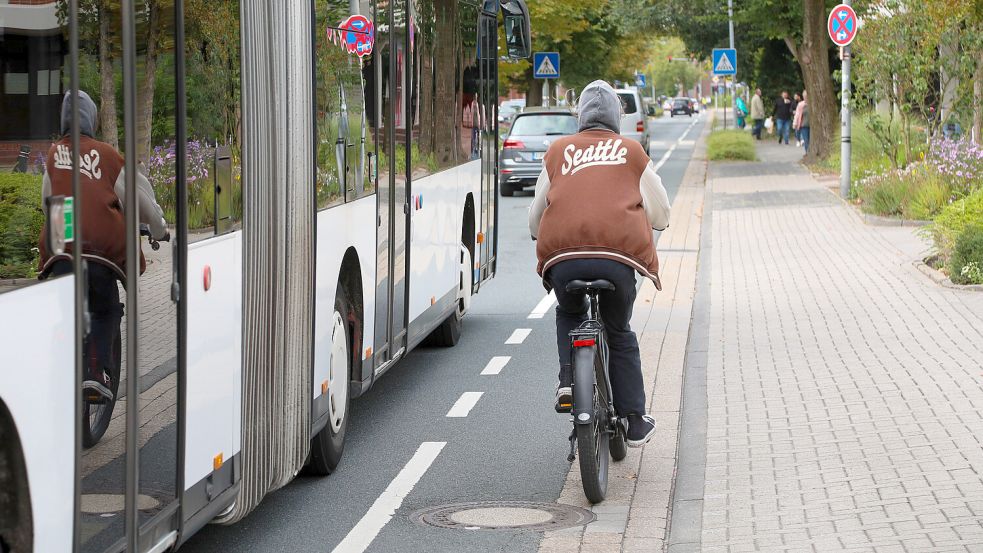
[328, 444]
[448, 334]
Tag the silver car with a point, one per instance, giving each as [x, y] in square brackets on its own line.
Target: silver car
[531, 134]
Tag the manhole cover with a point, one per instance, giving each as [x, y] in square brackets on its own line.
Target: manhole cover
[503, 515]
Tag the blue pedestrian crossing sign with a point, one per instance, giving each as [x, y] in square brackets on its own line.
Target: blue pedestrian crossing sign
[724, 61]
[546, 65]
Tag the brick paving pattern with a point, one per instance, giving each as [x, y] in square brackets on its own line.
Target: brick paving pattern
[844, 387]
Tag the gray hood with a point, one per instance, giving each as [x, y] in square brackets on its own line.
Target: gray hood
[87, 114]
[599, 107]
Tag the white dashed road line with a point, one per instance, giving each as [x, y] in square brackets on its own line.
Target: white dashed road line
[496, 365]
[665, 156]
[464, 404]
[544, 305]
[385, 506]
[518, 336]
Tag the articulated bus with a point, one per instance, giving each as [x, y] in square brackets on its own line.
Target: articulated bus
[327, 172]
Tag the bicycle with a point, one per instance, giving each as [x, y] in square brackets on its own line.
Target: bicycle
[598, 433]
[97, 409]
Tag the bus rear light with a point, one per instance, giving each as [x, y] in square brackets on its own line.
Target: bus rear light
[206, 277]
[324, 387]
[584, 343]
[512, 143]
[218, 461]
[640, 126]
[481, 238]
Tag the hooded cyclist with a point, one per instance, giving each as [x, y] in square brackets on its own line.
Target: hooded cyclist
[597, 201]
[102, 189]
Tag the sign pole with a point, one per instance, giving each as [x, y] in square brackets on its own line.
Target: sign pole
[546, 93]
[845, 130]
[733, 98]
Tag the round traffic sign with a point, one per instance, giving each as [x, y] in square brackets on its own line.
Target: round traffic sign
[842, 25]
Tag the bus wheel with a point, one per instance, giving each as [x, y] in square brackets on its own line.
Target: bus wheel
[449, 332]
[328, 445]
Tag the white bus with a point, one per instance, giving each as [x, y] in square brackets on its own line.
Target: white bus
[327, 171]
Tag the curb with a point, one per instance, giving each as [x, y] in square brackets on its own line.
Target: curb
[939, 278]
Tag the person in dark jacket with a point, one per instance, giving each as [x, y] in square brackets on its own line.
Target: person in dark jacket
[102, 186]
[597, 201]
[784, 110]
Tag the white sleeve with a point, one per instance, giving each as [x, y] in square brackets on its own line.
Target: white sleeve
[655, 200]
[150, 213]
[538, 205]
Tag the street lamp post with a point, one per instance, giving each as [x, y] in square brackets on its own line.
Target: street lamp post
[733, 96]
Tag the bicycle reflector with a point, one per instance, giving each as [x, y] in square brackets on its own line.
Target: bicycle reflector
[584, 343]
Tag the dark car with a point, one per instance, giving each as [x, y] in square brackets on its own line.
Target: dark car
[681, 106]
[531, 134]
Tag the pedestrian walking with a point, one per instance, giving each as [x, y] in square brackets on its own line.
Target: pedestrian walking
[783, 117]
[796, 102]
[802, 112]
[757, 114]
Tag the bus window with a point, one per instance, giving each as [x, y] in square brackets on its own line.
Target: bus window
[342, 41]
[32, 77]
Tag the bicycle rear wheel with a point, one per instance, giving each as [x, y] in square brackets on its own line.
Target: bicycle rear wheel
[593, 441]
[96, 416]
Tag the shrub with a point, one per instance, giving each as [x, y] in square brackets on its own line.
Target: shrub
[960, 160]
[886, 196]
[952, 222]
[930, 198]
[966, 264]
[731, 144]
[21, 220]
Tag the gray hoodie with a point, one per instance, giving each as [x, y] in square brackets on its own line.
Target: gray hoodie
[599, 107]
[87, 114]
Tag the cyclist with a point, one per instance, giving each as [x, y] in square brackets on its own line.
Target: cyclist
[597, 201]
[102, 187]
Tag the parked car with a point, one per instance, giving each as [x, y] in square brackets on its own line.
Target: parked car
[634, 122]
[532, 132]
[509, 109]
[681, 106]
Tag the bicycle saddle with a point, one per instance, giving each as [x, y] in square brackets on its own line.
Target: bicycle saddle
[575, 286]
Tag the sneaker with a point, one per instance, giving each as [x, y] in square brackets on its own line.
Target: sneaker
[641, 428]
[564, 390]
[95, 386]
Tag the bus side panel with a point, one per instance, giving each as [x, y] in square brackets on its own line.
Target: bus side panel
[351, 225]
[438, 209]
[37, 338]
[214, 368]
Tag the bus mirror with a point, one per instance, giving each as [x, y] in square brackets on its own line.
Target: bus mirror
[60, 223]
[515, 15]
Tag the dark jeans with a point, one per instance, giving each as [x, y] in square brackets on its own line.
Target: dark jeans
[759, 124]
[625, 365]
[804, 136]
[105, 310]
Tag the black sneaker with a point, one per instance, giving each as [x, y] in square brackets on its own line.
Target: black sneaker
[641, 428]
[564, 390]
[95, 387]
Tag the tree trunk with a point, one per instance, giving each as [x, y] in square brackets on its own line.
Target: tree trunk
[145, 101]
[534, 90]
[814, 61]
[107, 94]
[445, 97]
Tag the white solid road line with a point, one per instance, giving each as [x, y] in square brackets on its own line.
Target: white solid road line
[518, 336]
[665, 156]
[543, 306]
[464, 404]
[496, 365]
[385, 506]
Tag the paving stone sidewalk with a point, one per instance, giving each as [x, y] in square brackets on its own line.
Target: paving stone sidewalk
[845, 388]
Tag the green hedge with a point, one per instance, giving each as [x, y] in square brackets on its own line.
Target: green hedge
[953, 221]
[732, 144]
[966, 264]
[21, 220]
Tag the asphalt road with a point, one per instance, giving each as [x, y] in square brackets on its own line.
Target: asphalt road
[510, 446]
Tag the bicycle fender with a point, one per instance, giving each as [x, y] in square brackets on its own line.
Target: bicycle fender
[583, 384]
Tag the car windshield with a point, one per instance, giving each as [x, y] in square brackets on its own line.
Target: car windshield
[628, 100]
[544, 124]
[680, 101]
